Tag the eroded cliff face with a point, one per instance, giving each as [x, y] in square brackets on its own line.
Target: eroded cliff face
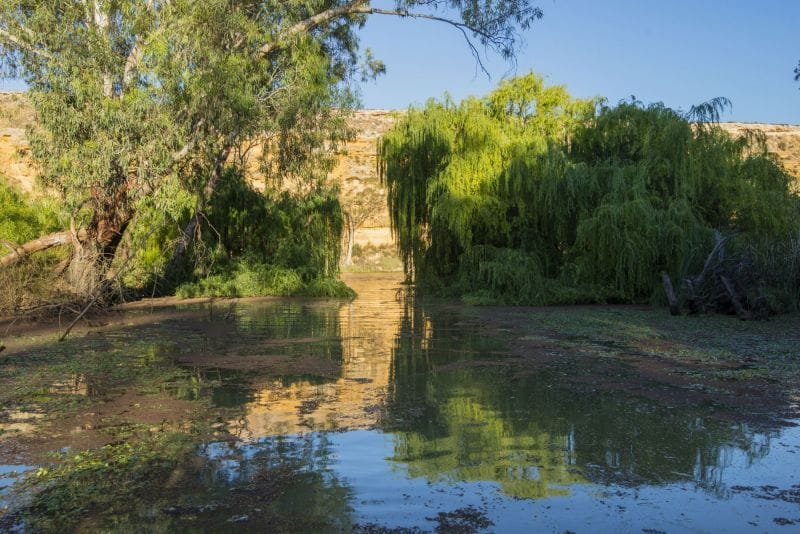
[356, 168]
[783, 140]
[16, 165]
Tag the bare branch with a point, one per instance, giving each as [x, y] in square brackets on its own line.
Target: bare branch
[362, 7]
[38, 245]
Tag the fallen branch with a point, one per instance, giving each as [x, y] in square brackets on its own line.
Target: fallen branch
[38, 245]
[728, 283]
[736, 300]
[674, 309]
[81, 314]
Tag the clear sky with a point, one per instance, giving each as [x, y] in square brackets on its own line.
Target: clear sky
[680, 52]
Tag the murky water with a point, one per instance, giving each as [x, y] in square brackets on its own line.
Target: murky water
[379, 414]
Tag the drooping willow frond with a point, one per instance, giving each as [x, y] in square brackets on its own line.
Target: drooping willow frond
[709, 111]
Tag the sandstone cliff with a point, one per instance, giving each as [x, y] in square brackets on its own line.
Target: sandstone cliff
[782, 139]
[356, 167]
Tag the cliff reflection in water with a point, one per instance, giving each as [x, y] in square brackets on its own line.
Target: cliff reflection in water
[351, 398]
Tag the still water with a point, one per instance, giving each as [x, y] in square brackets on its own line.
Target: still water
[384, 414]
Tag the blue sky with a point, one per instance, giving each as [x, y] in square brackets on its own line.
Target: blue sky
[679, 52]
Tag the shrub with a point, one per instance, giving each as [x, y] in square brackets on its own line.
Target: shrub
[22, 218]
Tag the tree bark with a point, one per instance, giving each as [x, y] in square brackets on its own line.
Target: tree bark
[94, 256]
[741, 312]
[38, 245]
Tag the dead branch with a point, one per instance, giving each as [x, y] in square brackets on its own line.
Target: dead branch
[727, 284]
[38, 245]
[674, 309]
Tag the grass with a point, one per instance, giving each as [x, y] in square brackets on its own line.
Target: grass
[247, 279]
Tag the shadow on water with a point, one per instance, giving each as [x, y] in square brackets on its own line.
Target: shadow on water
[384, 413]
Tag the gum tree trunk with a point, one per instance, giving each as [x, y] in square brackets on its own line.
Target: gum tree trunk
[91, 262]
[351, 237]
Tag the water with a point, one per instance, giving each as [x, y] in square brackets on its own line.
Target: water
[381, 414]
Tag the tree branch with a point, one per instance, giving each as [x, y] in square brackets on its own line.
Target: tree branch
[19, 43]
[362, 7]
[315, 21]
[38, 245]
[136, 53]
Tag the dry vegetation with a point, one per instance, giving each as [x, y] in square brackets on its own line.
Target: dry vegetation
[15, 165]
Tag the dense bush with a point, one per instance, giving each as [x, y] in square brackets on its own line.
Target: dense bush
[24, 218]
[21, 219]
[250, 243]
[530, 196]
[267, 243]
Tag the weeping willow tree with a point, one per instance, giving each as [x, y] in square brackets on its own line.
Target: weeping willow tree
[530, 196]
[443, 166]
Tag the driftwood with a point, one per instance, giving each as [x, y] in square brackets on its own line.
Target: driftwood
[726, 284]
[674, 308]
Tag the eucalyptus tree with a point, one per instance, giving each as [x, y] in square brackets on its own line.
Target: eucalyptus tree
[139, 100]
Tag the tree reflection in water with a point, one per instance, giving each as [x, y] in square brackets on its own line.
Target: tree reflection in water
[463, 411]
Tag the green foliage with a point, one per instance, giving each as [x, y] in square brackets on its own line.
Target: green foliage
[327, 287]
[23, 218]
[251, 279]
[777, 262]
[529, 196]
[159, 218]
[267, 243]
[133, 97]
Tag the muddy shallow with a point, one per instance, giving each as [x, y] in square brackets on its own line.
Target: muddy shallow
[386, 413]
